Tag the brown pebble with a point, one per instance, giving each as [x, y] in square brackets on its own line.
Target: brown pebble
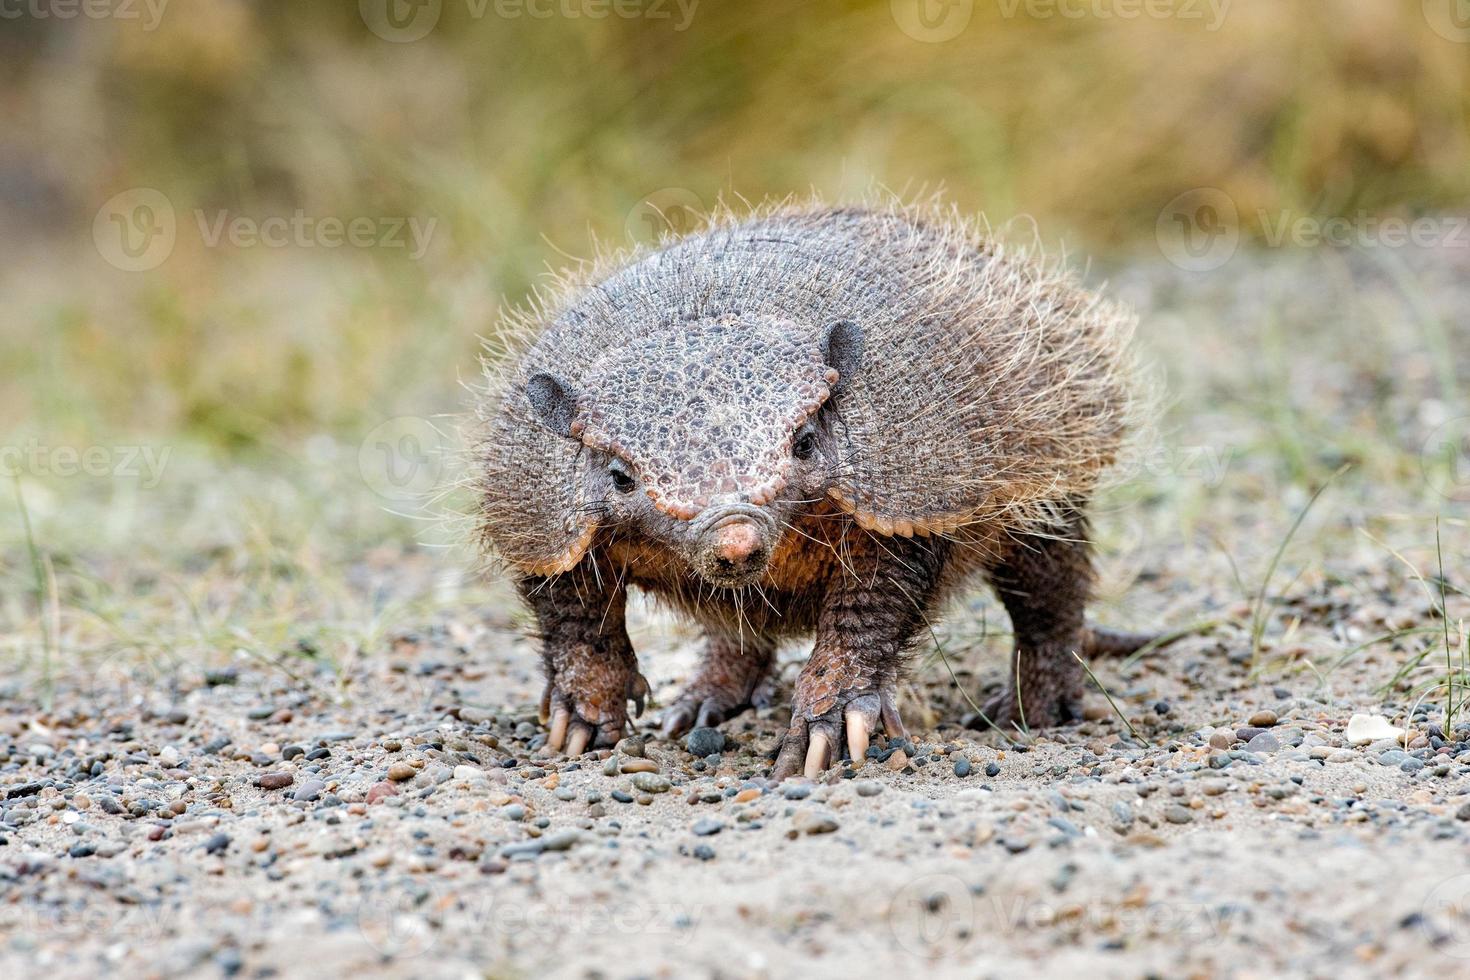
[898, 760]
[639, 765]
[274, 780]
[1263, 719]
[381, 791]
[746, 795]
[400, 771]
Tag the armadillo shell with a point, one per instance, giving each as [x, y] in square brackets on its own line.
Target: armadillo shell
[991, 389]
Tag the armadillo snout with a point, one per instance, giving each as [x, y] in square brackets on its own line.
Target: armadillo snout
[735, 549]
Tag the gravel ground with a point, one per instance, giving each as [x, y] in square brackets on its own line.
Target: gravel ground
[240, 822]
[392, 813]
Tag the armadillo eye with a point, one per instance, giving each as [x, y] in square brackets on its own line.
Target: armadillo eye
[805, 446]
[622, 480]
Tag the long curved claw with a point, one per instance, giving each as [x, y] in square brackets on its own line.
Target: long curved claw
[892, 723]
[793, 753]
[686, 714]
[811, 745]
[818, 755]
[857, 735]
[710, 716]
[638, 692]
[577, 742]
[557, 737]
[677, 720]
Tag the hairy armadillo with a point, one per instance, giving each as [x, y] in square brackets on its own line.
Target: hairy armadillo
[805, 420]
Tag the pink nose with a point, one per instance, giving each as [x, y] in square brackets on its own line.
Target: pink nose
[736, 541]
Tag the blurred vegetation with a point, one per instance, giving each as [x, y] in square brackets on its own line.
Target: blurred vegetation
[523, 137]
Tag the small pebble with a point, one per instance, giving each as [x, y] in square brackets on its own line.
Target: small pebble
[704, 742]
[1263, 744]
[651, 782]
[813, 822]
[638, 765]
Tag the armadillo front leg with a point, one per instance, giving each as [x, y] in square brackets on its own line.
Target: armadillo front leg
[876, 603]
[591, 669]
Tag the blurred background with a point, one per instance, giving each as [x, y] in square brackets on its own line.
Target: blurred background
[519, 132]
[248, 249]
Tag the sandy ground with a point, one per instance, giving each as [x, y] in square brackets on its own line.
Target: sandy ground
[1081, 852]
[202, 812]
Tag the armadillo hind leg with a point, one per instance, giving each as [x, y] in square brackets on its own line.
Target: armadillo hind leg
[1044, 584]
[730, 679]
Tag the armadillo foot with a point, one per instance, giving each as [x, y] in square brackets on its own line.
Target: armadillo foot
[577, 724]
[706, 703]
[814, 742]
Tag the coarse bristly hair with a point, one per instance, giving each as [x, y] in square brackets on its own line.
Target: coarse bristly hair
[994, 390]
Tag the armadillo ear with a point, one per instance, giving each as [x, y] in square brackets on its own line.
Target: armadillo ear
[842, 348]
[553, 401]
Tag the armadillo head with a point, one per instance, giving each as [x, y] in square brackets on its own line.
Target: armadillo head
[705, 433]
